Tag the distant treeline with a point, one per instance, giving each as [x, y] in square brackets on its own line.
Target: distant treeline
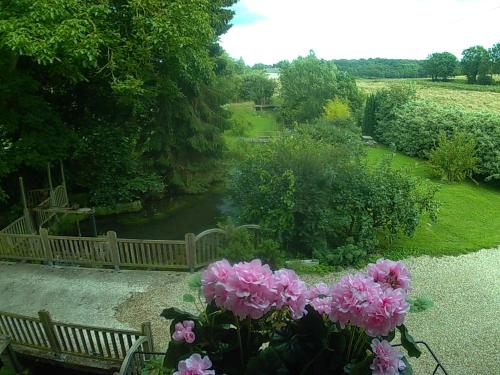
[383, 68]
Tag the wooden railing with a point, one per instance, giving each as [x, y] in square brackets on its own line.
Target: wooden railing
[19, 226]
[73, 339]
[189, 254]
[59, 197]
[134, 362]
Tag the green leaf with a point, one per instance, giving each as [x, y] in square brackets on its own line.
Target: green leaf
[359, 368]
[408, 369]
[194, 282]
[176, 314]
[408, 342]
[188, 298]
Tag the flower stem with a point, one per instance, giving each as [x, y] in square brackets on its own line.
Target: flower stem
[350, 345]
[239, 340]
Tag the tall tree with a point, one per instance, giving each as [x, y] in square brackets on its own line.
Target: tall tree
[308, 82]
[441, 65]
[476, 64]
[81, 79]
[256, 86]
[495, 58]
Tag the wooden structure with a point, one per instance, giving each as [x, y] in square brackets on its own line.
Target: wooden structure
[134, 362]
[194, 252]
[72, 344]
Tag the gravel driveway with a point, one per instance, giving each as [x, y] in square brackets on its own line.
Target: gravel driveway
[463, 326]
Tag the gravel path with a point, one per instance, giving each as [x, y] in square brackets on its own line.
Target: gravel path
[463, 326]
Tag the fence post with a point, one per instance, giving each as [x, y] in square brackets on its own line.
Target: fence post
[191, 250]
[113, 248]
[146, 331]
[47, 251]
[50, 332]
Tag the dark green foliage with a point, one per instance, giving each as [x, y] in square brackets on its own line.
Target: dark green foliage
[415, 127]
[386, 103]
[245, 245]
[382, 68]
[314, 195]
[495, 58]
[369, 119]
[150, 73]
[476, 65]
[454, 158]
[441, 65]
[257, 87]
[308, 82]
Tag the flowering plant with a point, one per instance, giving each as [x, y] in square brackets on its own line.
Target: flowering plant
[255, 321]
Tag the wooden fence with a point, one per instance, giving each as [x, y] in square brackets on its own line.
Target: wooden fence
[19, 226]
[58, 198]
[189, 254]
[136, 358]
[57, 339]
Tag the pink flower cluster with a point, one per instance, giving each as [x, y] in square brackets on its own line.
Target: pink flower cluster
[320, 298]
[390, 274]
[387, 360]
[251, 289]
[184, 331]
[195, 365]
[374, 301]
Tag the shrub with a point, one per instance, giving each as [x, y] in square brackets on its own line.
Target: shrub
[259, 322]
[453, 159]
[415, 127]
[315, 196]
[336, 109]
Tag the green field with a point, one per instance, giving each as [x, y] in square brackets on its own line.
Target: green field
[474, 97]
[468, 218]
[254, 123]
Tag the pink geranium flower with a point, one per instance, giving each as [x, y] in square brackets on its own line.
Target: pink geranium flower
[213, 281]
[292, 292]
[251, 290]
[320, 298]
[350, 298]
[184, 331]
[390, 274]
[387, 360]
[386, 311]
[195, 365]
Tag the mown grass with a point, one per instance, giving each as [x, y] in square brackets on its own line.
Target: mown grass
[468, 217]
[254, 123]
[474, 97]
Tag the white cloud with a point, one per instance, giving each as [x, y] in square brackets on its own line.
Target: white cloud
[362, 28]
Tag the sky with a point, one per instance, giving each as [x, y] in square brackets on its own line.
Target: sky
[268, 31]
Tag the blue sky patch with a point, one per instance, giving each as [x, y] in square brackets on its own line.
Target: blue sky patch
[244, 16]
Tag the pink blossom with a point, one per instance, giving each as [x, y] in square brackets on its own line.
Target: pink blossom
[213, 281]
[292, 292]
[195, 365]
[320, 298]
[390, 274]
[386, 311]
[184, 331]
[350, 298]
[387, 360]
[251, 291]
[359, 300]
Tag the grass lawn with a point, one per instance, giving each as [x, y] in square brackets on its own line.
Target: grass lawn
[468, 217]
[254, 122]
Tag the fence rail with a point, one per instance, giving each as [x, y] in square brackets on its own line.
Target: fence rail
[189, 254]
[136, 358]
[58, 338]
[18, 226]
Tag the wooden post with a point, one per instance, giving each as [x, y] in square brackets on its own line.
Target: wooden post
[113, 248]
[63, 178]
[50, 332]
[26, 212]
[51, 188]
[44, 236]
[146, 331]
[8, 357]
[190, 250]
